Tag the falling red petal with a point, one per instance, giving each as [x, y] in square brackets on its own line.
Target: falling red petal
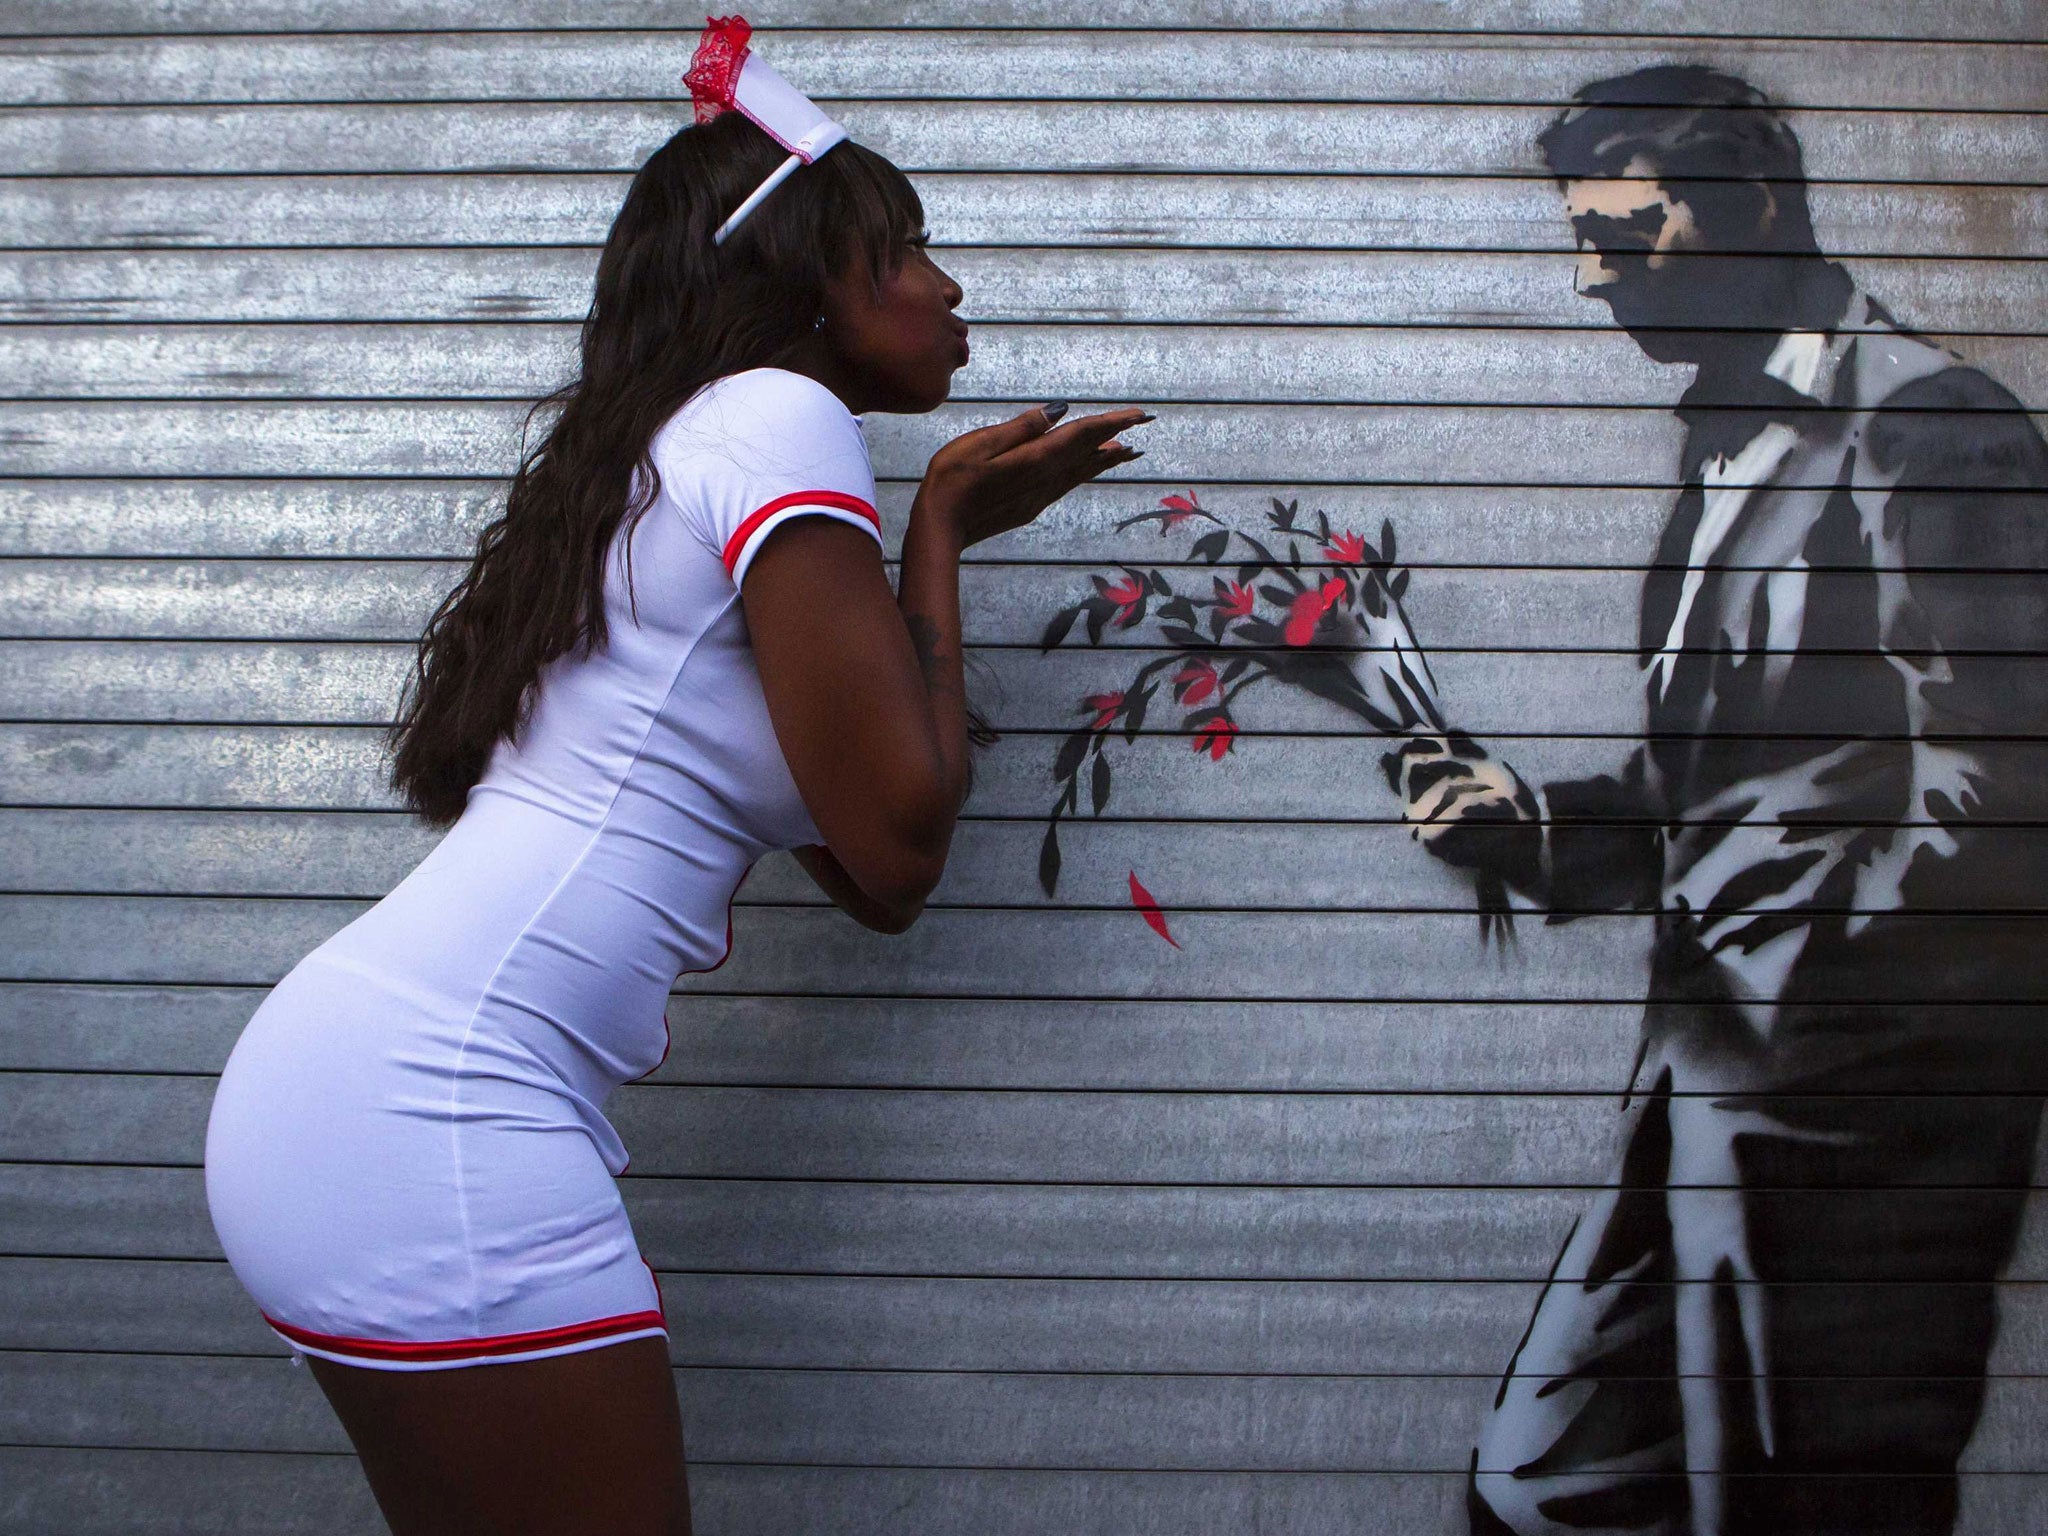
[1149, 910]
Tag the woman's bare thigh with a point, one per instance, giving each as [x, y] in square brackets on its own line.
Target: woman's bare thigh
[582, 1443]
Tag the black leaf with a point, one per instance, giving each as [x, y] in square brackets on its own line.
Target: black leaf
[1277, 595]
[1375, 600]
[1234, 671]
[1056, 631]
[1323, 523]
[1387, 538]
[1180, 634]
[1098, 789]
[1259, 632]
[1159, 584]
[1072, 750]
[1247, 574]
[1101, 583]
[1098, 615]
[1134, 717]
[1216, 623]
[1294, 554]
[1259, 549]
[1210, 546]
[1180, 610]
[1049, 857]
[1400, 585]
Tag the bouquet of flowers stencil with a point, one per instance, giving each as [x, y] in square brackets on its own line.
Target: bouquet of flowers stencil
[1305, 605]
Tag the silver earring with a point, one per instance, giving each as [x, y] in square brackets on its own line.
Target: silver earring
[818, 324]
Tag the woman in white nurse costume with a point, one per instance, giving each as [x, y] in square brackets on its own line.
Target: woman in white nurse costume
[676, 651]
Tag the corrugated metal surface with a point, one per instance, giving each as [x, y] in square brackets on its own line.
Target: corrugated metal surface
[1232, 1237]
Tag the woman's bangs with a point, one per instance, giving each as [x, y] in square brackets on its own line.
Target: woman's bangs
[885, 212]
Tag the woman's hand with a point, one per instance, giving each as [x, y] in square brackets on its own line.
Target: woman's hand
[997, 478]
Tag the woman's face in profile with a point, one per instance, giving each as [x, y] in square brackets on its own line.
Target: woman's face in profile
[899, 341]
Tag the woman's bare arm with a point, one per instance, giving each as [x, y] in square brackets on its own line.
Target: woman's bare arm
[865, 685]
[831, 878]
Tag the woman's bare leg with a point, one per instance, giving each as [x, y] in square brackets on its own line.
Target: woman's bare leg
[584, 1443]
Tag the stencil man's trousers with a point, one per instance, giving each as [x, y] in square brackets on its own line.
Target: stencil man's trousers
[1784, 1293]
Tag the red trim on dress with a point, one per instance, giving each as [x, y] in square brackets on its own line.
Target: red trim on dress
[651, 1275]
[837, 500]
[728, 934]
[464, 1349]
[668, 1034]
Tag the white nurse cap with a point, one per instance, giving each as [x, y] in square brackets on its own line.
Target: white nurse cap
[725, 75]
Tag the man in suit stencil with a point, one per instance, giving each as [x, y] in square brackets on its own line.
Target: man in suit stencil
[1778, 1319]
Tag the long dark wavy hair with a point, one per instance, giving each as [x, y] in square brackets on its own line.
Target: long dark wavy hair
[672, 312]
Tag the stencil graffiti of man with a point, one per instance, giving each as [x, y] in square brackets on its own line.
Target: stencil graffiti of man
[1791, 1286]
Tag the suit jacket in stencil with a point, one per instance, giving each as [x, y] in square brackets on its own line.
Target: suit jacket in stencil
[1816, 817]
[1819, 783]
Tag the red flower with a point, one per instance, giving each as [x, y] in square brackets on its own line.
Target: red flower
[1347, 548]
[1216, 737]
[1194, 682]
[1234, 601]
[1126, 595]
[1307, 610]
[1177, 510]
[1107, 707]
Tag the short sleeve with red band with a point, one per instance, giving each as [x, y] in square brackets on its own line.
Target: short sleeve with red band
[756, 449]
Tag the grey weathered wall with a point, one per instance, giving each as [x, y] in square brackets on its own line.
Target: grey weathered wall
[1024, 1222]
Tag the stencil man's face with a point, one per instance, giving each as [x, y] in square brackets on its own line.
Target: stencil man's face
[1634, 238]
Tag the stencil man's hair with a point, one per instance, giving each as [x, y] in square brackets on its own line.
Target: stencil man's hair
[1714, 141]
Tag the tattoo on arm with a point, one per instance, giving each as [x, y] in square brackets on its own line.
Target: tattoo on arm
[924, 639]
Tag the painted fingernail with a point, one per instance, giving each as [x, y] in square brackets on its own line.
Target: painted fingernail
[1053, 410]
[1148, 416]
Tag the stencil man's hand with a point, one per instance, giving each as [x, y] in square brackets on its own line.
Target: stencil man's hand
[1466, 807]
